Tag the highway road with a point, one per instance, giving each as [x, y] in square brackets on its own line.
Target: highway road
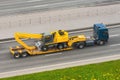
[8, 63]
[8, 7]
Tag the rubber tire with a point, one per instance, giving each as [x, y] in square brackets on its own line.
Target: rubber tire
[44, 48]
[74, 45]
[81, 46]
[101, 42]
[60, 46]
[17, 55]
[24, 54]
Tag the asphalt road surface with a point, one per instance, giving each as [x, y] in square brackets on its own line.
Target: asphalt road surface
[8, 7]
[8, 63]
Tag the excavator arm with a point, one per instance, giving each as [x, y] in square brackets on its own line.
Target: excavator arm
[19, 36]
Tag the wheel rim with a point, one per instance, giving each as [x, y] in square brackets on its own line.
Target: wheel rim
[17, 55]
[101, 43]
[24, 55]
[81, 46]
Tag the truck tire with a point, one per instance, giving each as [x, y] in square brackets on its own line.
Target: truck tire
[44, 48]
[75, 45]
[17, 55]
[24, 54]
[100, 42]
[60, 46]
[81, 46]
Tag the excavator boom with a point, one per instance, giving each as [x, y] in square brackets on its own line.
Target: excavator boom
[19, 36]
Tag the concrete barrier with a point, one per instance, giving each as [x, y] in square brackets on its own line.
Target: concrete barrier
[56, 16]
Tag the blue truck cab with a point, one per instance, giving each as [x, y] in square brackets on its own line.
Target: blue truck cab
[100, 33]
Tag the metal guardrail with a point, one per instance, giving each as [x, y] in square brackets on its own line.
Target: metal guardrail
[78, 29]
[73, 30]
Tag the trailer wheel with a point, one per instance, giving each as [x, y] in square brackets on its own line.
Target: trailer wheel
[24, 54]
[60, 46]
[81, 46]
[74, 45]
[17, 55]
[44, 48]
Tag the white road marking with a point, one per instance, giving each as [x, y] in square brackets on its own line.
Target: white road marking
[115, 35]
[8, 41]
[58, 66]
[115, 45]
[28, 7]
[12, 41]
[34, 0]
[53, 54]
[37, 6]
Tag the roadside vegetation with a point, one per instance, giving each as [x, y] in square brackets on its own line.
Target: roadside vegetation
[101, 71]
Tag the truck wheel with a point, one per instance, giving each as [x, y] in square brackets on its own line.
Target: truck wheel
[60, 46]
[24, 54]
[44, 48]
[101, 42]
[81, 46]
[17, 55]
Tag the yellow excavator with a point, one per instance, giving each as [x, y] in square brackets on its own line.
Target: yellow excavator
[46, 43]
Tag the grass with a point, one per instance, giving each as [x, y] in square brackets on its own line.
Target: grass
[101, 71]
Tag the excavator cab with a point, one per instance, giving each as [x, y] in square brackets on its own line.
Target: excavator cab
[47, 38]
[60, 36]
[56, 37]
